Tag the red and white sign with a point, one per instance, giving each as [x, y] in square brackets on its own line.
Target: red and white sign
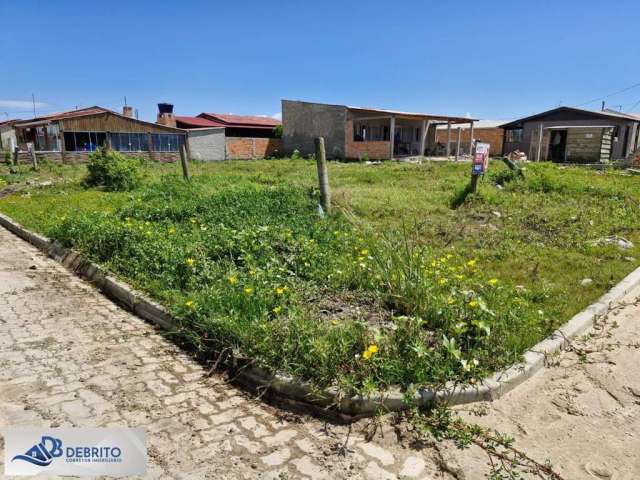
[481, 159]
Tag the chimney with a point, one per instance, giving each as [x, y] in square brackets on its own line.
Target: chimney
[165, 115]
[127, 111]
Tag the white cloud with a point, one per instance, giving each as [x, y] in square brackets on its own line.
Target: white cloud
[277, 116]
[21, 104]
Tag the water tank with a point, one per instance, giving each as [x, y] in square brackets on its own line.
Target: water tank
[165, 108]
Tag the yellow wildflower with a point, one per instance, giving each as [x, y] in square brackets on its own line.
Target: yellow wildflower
[364, 252]
[373, 348]
[172, 231]
[248, 290]
[277, 310]
[190, 262]
[460, 277]
[366, 354]
[233, 280]
[280, 290]
[472, 263]
[450, 300]
[442, 281]
[334, 322]
[493, 281]
[473, 304]
[189, 304]
[433, 263]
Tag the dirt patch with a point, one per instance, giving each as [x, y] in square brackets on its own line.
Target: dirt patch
[342, 306]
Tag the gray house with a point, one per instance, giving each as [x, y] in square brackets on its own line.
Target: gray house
[574, 135]
[357, 132]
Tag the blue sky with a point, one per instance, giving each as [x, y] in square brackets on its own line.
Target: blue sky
[489, 59]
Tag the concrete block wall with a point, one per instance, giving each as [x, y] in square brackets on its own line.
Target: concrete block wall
[207, 145]
[583, 145]
[302, 122]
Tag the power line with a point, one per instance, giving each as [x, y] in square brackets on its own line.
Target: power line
[610, 95]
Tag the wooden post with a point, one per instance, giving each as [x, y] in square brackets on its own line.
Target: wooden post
[34, 159]
[16, 154]
[183, 161]
[458, 144]
[323, 175]
[63, 146]
[392, 137]
[471, 140]
[539, 152]
[448, 149]
[474, 183]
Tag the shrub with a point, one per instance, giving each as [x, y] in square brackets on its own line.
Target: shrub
[112, 170]
[295, 155]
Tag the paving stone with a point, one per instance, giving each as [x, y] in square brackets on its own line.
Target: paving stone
[412, 467]
[381, 454]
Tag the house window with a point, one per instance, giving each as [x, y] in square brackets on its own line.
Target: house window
[46, 138]
[84, 141]
[166, 142]
[370, 132]
[130, 142]
[514, 135]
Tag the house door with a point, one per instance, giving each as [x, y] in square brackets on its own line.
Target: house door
[558, 145]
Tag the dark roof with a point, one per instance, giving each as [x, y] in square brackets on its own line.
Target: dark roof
[241, 121]
[607, 114]
[10, 122]
[197, 122]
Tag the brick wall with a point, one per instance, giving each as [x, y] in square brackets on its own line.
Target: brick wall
[374, 150]
[249, 148]
[492, 136]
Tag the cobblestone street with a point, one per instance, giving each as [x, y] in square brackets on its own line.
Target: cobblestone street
[70, 357]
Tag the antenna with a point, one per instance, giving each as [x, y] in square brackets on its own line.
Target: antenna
[33, 100]
[125, 100]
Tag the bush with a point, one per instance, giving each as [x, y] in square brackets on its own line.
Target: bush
[112, 170]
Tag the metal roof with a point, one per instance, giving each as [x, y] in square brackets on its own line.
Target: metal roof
[81, 112]
[242, 121]
[400, 113]
[597, 113]
[478, 124]
[198, 122]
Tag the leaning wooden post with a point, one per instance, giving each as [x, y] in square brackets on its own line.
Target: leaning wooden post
[539, 152]
[458, 144]
[183, 160]
[34, 159]
[448, 149]
[323, 175]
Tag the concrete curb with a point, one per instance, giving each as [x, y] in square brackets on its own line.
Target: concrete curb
[328, 403]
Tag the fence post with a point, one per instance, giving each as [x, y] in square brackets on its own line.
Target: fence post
[34, 159]
[323, 176]
[183, 160]
[458, 144]
[16, 154]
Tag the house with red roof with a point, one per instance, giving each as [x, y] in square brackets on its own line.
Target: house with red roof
[69, 137]
[220, 136]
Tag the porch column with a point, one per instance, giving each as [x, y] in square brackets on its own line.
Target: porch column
[392, 134]
[448, 150]
[458, 143]
[423, 140]
[471, 138]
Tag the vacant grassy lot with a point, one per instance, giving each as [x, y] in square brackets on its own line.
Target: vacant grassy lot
[395, 288]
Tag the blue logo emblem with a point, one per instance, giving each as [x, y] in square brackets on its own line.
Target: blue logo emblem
[43, 453]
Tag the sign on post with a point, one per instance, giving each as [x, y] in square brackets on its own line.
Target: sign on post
[481, 159]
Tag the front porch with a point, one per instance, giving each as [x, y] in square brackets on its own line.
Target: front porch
[381, 135]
